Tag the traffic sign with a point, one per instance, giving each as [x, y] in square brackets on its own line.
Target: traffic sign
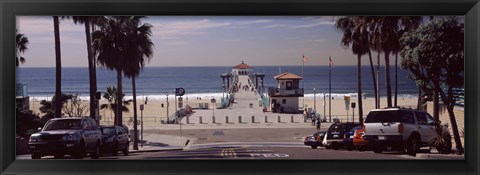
[347, 102]
[179, 91]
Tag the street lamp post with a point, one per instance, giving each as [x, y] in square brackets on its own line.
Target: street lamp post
[314, 100]
[324, 109]
[141, 118]
[167, 106]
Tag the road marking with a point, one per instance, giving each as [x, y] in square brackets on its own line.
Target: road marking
[228, 152]
[270, 155]
[260, 150]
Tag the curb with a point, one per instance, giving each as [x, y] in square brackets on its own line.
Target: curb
[155, 150]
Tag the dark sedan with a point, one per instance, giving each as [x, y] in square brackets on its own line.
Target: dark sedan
[315, 140]
[115, 138]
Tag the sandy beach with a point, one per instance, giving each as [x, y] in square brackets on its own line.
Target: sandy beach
[154, 112]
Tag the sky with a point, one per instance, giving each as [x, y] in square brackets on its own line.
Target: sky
[204, 41]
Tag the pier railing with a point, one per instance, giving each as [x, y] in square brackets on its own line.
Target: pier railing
[272, 91]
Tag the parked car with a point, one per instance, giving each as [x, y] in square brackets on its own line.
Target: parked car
[336, 134]
[115, 138]
[74, 136]
[314, 140]
[400, 129]
[359, 142]
[348, 139]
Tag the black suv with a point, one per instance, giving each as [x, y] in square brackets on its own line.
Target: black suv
[74, 136]
[336, 134]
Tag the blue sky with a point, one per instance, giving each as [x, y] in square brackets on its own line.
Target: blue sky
[204, 41]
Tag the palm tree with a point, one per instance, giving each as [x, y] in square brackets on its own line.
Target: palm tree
[139, 51]
[58, 67]
[21, 42]
[352, 28]
[407, 23]
[109, 44]
[387, 33]
[111, 97]
[91, 68]
[375, 45]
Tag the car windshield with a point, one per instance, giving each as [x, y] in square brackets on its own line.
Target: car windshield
[319, 134]
[383, 116]
[108, 131]
[63, 124]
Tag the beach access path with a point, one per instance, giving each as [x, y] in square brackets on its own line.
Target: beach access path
[245, 112]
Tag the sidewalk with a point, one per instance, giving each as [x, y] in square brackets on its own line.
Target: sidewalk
[159, 142]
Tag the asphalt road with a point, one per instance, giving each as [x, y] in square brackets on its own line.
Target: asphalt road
[243, 135]
[267, 152]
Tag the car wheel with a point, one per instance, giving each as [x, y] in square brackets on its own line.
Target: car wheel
[378, 148]
[115, 149]
[58, 156]
[96, 154]
[80, 152]
[361, 148]
[314, 147]
[36, 156]
[126, 150]
[413, 145]
[335, 146]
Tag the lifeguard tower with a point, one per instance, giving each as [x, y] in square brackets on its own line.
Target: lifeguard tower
[285, 96]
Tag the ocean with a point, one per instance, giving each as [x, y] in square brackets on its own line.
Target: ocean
[155, 82]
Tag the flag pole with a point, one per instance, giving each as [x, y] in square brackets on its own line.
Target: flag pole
[330, 89]
[303, 82]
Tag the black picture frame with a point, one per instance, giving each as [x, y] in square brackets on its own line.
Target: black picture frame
[11, 8]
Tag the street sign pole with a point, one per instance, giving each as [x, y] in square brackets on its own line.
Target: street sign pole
[141, 118]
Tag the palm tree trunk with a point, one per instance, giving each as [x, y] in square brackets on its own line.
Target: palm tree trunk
[378, 80]
[450, 105]
[359, 89]
[436, 100]
[93, 105]
[135, 141]
[387, 79]
[119, 111]
[373, 78]
[58, 69]
[419, 99]
[396, 79]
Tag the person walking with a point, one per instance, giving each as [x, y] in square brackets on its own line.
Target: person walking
[317, 122]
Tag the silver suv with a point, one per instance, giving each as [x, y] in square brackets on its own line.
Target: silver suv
[399, 129]
[74, 136]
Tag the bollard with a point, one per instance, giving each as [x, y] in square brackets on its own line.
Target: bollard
[200, 118]
[226, 119]
[188, 120]
[291, 118]
[213, 119]
[239, 119]
[253, 119]
[279, 121]
[266, 119]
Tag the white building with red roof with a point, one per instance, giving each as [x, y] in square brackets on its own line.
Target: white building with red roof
[284, 98]
[242, 69]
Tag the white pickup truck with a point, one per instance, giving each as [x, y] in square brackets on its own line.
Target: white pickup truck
[399, 129]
